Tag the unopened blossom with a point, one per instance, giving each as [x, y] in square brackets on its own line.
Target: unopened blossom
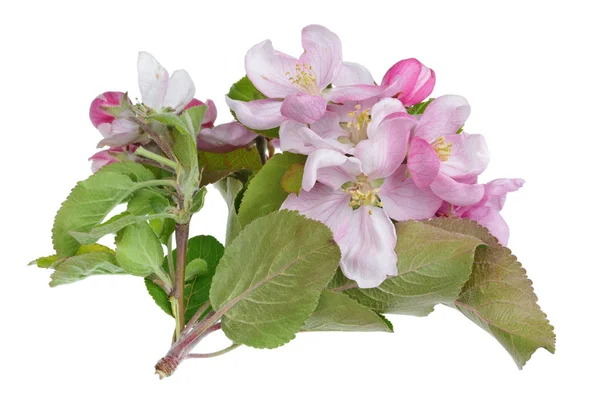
[417, 81]
[487, 211]
[210, 115]
[111, 118]
[297, 88]
[356, 197]
[441, 159]
[225, 137]
[105, 157]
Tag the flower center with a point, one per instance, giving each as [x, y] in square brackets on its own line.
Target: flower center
[357, 126]
[304, 77]
[362, 193]
[442, 148]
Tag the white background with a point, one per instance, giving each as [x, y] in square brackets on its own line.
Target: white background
[530, 71]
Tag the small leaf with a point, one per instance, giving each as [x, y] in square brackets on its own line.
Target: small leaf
[188, 123]
[216, 166]
[338, 312]
[270, 278]
[291, 181]
[265, 193]
[433, 265]
[499, 297]
[147, 201]
[198, 201]
[160, 297]
[49, 261]
[44, 262]
[78, 267]
[194, 268]
[419, 108]
[139, 252]
[92, 199]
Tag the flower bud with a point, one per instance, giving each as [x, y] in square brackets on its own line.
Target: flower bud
[99, 113]
[225, 137]
[417, 80]
[105, 157]
[208, 121]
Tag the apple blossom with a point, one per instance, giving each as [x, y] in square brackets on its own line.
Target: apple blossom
[417, 81]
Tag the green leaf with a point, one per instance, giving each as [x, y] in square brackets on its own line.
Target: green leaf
[244, 90]
[419, 108]
[139, 252]
[188, 123]
[338, 312]
[291, 181]
[195, 268]
[216, 166]
[265, 192]
[433, 265]
[499, 297]
[229, 189]
[92, 199]
[114, 225]
[44, 262]
[198, 201]
[147, 201]
[270, 278]
[160, 297]
[75, 268]
[49, 261]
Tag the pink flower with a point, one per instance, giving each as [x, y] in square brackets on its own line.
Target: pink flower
[224, 138]
[301, 82]
[441, 159]
[210, 116]
[100, 112]
[417, 81]
[105, 157]
[110, 117]
[487, 211]
[356, 197]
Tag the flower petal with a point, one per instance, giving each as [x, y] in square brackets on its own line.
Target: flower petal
[367, 247]
[381, 110]
[496, 190]
[469, 156]
[120, 133]
[417, 80]
[107, 99]
[267, 69]
[257, 114]
[343, 94]
[180, 90]
[423, 162]
[322, 51]
[353, 74]
[152, 79]
[456, 193]
[329, 167]
[492, 220]
[303, 107]
[403, 200]
[444, 116]
[329, 126]
[224, 138]
[298, 138]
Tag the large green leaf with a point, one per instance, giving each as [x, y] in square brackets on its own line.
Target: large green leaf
[265, 192]
[91, 260]
[270, 278]
[139, 252]
[338, 312]
[433, 265]
[92, 199]
[230, 188]
[216, 166]
[499, 297]
[244, 90]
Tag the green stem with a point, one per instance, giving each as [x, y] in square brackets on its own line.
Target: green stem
[216, 353]
[182, 232]
[156, 157]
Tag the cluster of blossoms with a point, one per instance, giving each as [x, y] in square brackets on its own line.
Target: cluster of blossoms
[376, 153]
[372, 157]
[122, 124]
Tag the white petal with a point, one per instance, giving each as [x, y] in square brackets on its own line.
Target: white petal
[152, 80]
[353, 74]
[180, 90]
[329, 167]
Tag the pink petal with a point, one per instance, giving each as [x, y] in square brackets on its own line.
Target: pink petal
[322, 51]
[403, 200]
[423, 162]
[343, 94]
[367, 247]
[298, 138]
[257, 114]
[267, 70]
[469, 156]
[492, 220]
[120, 132]
[329, 167]
[417, 80]
[152, 79]
[383, 154]
[496, 190]
[107, 99]
[353, 74]
[180, 91]
[381, 110]
[425, 85]
[444, 116]
[224, 138]
[303, 107]
[459, 194]
[210, 115]
[329, 126]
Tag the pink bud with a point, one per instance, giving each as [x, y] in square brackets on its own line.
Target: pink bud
[417, 80]
[105, 157]
[98, 113]
[224, 138]
[208, 121]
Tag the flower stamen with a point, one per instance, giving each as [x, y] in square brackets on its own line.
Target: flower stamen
[442, 148]
[305, 78]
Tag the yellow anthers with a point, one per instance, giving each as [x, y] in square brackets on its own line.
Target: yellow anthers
[357, 126]
[442, 148]
[362, 194]
[305, 78]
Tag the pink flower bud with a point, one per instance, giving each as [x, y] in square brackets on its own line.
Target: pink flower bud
[98, 113]
[417, 80]
[224, 138]
[208, 121]
[105, 157]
